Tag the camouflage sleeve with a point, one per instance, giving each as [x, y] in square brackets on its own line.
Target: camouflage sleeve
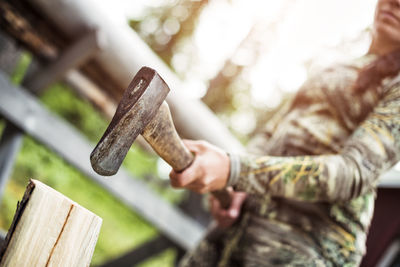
[372, 149]
[258, 139]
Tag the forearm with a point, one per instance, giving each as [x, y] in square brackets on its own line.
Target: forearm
[372, 149]
[306, 178]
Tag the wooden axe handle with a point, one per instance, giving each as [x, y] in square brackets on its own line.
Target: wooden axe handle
[160, 133]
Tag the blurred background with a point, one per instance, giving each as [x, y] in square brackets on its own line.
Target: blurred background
[242, 58]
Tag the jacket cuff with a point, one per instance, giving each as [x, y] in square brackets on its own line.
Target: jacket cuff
[234, 171]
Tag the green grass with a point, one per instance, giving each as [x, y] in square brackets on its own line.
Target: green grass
[122, 228]
[21, 68]
[164, 259]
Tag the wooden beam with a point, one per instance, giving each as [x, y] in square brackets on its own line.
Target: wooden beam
[50, 230]
[72, 57]
[22, 109]
[90, 91]
[19, 27]
[10, 142]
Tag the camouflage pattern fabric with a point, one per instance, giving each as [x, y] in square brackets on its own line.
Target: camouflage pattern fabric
[311, 176]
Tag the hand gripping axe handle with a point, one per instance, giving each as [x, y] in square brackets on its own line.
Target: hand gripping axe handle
[142, 110]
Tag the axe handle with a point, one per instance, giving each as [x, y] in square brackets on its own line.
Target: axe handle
[160, 133]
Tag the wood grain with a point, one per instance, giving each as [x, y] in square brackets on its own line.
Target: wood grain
[50, 230]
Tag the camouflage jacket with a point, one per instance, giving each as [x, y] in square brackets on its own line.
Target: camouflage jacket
[311, 176]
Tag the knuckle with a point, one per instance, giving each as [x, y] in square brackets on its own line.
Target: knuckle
[177, 182]
[203, 190]
[173, 183]
[202, 144]
[203, 182]
[206, 181]
[197, 190]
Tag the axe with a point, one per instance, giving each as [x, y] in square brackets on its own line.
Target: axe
[142, 110]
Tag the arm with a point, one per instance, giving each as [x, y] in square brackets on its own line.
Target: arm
[372, 149]
[213, 167]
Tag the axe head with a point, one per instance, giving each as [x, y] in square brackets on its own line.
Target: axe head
[139, 104]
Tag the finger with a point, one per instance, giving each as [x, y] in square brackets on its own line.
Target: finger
[192, 187]
[222, 216]
[199, 183]
[201, 190]
[219, 213]
[173, 174]
[224, 220]
[236, 204]
[192, 145]
[197, 188]
[184, 178]
[224, 224]
[196, 145]
[173, 178]
[214, 205]
[230, 191]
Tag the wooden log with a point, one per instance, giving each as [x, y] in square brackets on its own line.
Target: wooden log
[49, 229]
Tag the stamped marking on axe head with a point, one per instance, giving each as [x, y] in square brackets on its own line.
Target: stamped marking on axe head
[139, 104]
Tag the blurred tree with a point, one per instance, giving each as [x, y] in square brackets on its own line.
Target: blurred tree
[163, 28]
[229, 92]
[168, 30]
[221, 89]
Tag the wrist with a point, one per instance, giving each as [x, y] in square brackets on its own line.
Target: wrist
[234, 169]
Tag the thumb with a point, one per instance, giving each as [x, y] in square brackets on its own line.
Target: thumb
[192, 145]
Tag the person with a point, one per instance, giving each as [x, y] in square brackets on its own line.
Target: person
[309, 178]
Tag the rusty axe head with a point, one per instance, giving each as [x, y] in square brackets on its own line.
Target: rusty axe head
[139, 104]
